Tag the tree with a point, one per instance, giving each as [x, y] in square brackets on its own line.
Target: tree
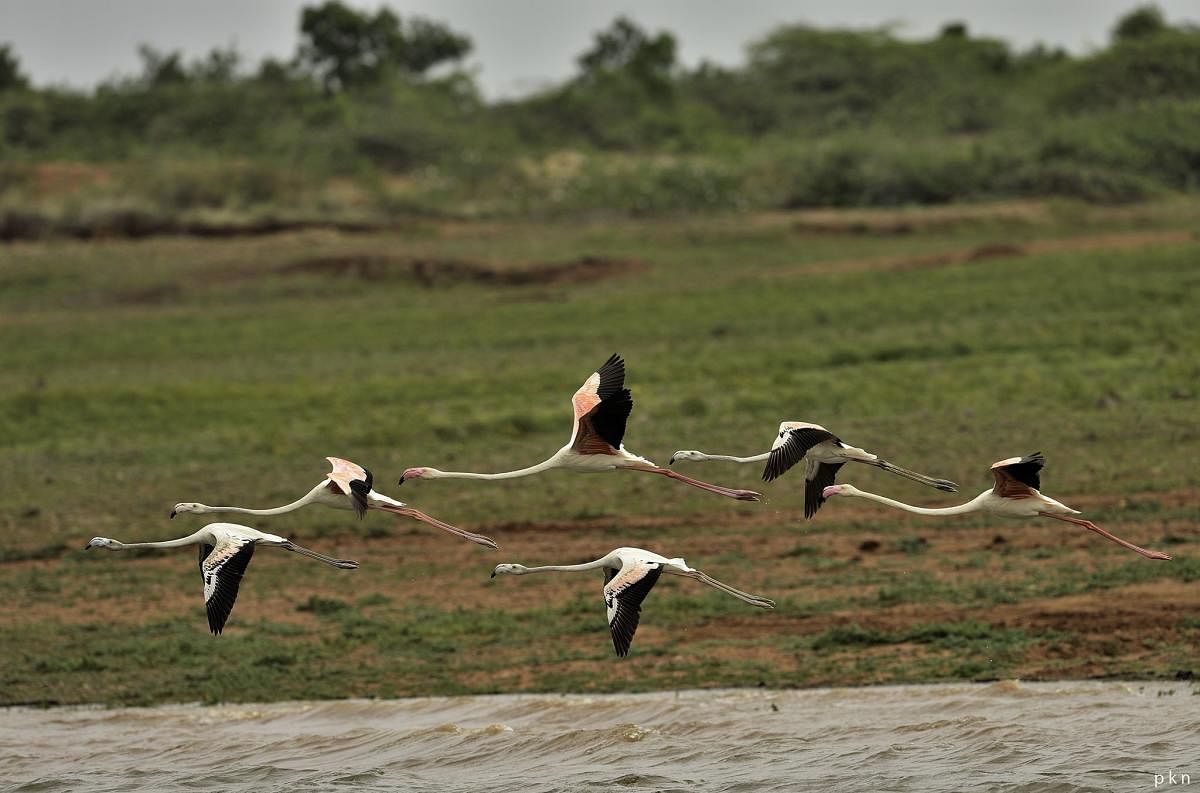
[425, 43]
[161, 68]
[954, 30]
[1141, 22]
[219, 66]
[347, 48]
[11, 78]
[625, 47]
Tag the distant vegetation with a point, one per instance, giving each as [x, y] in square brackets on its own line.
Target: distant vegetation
[373, 118]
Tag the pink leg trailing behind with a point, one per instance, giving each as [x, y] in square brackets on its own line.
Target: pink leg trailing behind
[740, 495]
[1087, 524]
[409, 512]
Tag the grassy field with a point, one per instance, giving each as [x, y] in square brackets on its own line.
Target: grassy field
[138, 374]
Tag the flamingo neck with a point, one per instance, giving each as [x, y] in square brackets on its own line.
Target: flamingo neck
[307, 498]
[545, 465]
[970, 506]
[567, 568]
[191, 539]
[729, 458]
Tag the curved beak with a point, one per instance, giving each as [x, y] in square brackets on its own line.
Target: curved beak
[671, 461]
[87, 547]
[172, 515]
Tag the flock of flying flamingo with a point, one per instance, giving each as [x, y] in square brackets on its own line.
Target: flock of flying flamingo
[601, 409]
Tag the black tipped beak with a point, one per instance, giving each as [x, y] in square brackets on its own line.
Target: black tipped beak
[172, 515]
[671, 461]
[87, 547]
[400, 482]
[493, 574]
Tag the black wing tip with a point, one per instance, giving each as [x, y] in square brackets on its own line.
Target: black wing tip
[615, 364]
[358, 494]
[621, 645]
[611, 416]
[612, 376]
[814, 489]
[217, 619]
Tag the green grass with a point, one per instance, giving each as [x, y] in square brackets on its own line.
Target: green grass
[137, 374]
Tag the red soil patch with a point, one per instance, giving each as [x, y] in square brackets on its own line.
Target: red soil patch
[59, 178]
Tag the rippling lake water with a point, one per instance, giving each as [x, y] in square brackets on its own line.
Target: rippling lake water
[1000, 736]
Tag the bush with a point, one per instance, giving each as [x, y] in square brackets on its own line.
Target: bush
[873, 171]
[213, 184]
[1095, 184]
[1164, 65]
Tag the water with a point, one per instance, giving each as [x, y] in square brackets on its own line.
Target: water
[1001, 736]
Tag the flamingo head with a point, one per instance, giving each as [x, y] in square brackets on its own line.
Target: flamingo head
[100, 542]
[837, 490]
[685, 454]
[414, 473]
[187, 506]
[511, 569]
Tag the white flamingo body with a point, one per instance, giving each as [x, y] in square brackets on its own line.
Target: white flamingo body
[1015, 495]
[822, 453]
[629, 575]
[601, 406]
[225, 551]
[347, 486]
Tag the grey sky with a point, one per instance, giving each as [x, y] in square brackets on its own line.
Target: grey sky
[519, 44]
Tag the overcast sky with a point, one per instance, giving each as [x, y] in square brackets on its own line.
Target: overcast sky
[519, 44]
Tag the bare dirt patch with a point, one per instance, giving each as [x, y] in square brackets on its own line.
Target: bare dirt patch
[427, 272]
[997, 250]
[430, 272]
[66, 178]
[897, 222]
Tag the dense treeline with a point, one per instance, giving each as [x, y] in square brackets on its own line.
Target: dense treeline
[374, 116]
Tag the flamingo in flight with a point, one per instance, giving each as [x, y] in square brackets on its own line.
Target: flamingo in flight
[629, 575]
[347, 486]
[602, 406]
[823, 452]
[225, 551]
[1015, 495]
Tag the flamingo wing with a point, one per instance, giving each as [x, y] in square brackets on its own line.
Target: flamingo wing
[602, 406]
[221, 568]
[791, 446]
[351, 479]
[816, 481]
[623, 596]
[1017, 477]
